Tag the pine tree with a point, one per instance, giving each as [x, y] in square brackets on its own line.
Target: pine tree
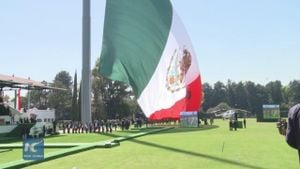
[74, 111]
[79, 104]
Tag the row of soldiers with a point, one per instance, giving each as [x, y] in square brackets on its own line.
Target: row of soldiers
[96, 126]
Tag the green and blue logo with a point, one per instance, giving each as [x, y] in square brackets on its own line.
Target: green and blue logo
[33, 149]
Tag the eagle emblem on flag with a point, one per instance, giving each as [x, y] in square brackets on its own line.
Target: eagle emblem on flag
[179, 64]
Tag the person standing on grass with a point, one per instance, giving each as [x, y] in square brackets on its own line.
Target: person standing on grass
[235, 124]
[4, 108]
[293, 128]
[64, 128]
[230, 124]
[244, 121]
[211, 121]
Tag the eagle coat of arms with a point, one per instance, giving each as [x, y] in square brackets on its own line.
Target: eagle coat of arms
[177, 69]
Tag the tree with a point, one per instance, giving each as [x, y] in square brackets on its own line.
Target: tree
[111, 99]
[262, 98]
[241, 96]
[285, 94]
[114, 95]
[64, 78]
[220, 93]
[250, 96]
[294, 92]
[231, 93]
[98, 110]
[60, 100]
[133, 107]
[275, 92]
[254, 103]
[74, 108]
[98, 85]
[208, 96]
[79, 103]
[39, 98]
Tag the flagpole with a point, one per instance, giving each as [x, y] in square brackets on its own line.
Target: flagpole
[86, 63]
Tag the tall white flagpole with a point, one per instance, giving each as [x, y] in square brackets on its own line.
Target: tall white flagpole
[86, 63]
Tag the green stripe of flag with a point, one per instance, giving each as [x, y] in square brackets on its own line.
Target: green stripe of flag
[134, 37]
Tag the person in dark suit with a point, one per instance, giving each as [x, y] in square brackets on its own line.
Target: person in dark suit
[4, 109]
[244, 121]
[293, 128]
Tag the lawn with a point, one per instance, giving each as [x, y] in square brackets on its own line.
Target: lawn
[211, 147]
[9, 154]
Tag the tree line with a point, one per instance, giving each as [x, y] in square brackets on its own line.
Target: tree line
[112, 99]
[251, 96]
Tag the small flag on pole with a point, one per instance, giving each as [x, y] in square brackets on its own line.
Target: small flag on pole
[19, 101]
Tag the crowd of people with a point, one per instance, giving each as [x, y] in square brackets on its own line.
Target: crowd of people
[234, 124]
[99, 126]
[211, 121]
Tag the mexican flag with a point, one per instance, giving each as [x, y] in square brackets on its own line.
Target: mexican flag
[146, 46]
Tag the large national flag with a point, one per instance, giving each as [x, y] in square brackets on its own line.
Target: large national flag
[146, 46]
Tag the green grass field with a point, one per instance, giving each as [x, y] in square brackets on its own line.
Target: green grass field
[211, 147]
[16, 154]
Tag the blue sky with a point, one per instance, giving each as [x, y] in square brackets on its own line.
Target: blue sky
[255, 40]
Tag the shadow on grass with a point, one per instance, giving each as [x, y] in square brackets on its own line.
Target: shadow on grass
[176, 129]
[111, 135]
[173, 130]
[54, 136]
[190, 153]
[179, 129]
[3, 151]
[128, 132]
[196, 154]
[8, 140]
[177, 150]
